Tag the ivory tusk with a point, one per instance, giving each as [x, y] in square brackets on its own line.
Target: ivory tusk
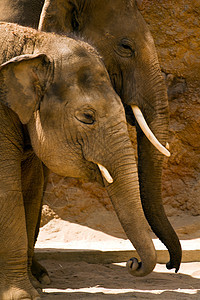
[105, 173]
[149, 134]
[167, 146]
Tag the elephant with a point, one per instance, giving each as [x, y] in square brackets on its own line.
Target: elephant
[121, 36]
[58, 107]
[24, 12]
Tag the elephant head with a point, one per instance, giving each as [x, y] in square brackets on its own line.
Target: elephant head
[77, 127]
[119, 33]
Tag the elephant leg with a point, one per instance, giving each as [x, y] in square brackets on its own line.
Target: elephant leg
[32, 186]
[45, 175]
[37, 269]
[14, 279]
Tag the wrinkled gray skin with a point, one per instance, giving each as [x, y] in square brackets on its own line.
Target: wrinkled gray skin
[58, 107]
[119, 33]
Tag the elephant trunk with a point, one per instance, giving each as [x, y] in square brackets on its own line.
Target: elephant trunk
[144, 87]
[150, 162]
[125, 197]
[150, 174]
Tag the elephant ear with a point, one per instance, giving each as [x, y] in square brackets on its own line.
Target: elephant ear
[63, 16]
[23, 81]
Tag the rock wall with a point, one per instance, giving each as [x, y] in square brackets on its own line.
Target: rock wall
[175, 28]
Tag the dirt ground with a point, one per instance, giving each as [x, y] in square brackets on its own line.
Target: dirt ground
[83, 280]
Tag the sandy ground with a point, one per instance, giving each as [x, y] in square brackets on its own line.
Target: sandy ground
[83, 280]
[112, 281]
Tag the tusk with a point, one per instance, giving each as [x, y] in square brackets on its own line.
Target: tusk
[105, 173]
[167, 146]
[149, 134]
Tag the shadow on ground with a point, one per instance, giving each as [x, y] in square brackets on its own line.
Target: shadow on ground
[81, 280]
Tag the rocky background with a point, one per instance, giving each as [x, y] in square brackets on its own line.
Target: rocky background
[175, 26]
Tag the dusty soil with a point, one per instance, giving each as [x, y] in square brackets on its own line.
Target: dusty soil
[112, 281]
[83, 280]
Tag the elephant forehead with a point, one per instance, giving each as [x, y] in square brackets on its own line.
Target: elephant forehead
[91, 75]
[84, 50]
[86, 72]
[114, 19]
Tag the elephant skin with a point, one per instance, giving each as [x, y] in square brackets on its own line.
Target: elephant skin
[121, 36]
[58, 107]
[24, 12]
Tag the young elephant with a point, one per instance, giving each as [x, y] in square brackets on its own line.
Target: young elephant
[58, 108]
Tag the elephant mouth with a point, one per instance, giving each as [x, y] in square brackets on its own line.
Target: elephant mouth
[105, 173]
[97, 173]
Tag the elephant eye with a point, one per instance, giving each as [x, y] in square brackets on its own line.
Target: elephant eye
[125, 48]
[85, 116]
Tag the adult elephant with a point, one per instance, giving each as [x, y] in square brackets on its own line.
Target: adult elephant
[118, 31]
[24, 12]
[120, 34]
